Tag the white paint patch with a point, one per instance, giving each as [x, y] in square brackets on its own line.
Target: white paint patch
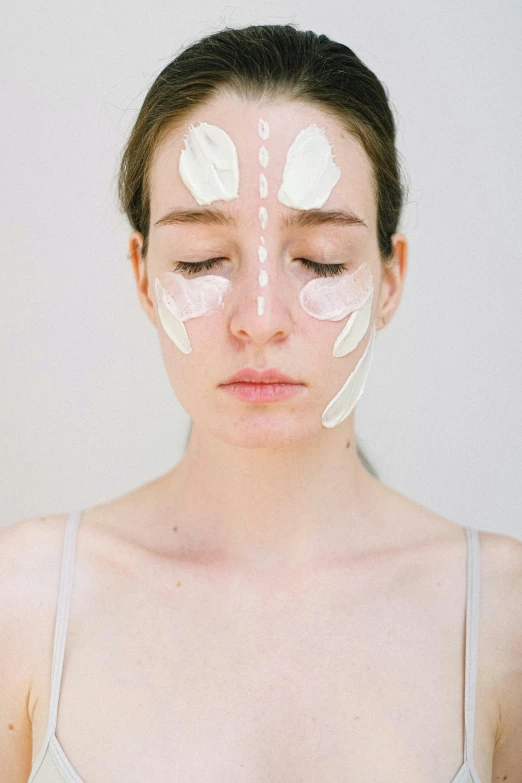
[263, 278]
[263, 217]
[346, 399]
[333, 298]
[354, 330]
[173, 327]
[180, 300]
[263, 186]
[262, 254]
[263, 129]
[209, 164]
[263, 156]
[260, 305]
[310, 172]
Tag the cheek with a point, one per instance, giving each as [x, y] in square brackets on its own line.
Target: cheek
[327, 299]
[179, 300]
[332, 299]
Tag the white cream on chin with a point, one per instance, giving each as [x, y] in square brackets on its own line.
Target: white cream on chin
[209, 164]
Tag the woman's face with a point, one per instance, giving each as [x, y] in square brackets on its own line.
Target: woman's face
[250, 308]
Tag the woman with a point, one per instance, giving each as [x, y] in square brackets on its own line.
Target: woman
[268, 610]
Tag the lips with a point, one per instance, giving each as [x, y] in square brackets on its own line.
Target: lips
[251, 375]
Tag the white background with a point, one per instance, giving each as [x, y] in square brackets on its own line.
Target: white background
[86, 409]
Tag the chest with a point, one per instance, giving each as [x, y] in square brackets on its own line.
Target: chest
[345, 679]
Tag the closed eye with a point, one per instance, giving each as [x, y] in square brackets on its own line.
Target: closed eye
[323, 270]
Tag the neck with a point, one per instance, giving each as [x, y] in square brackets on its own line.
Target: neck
[270, 507]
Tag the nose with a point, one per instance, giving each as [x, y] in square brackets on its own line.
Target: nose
[260, 314]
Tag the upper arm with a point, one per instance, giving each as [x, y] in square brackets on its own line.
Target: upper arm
[18, 596]
[507, 759]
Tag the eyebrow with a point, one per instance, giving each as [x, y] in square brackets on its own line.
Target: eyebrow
[297, 218]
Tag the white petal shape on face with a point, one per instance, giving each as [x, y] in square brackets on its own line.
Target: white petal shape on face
[209, 164]
[333, 298]
[346, 399]
[174, 328]
[354, 330]
[310, 172]
[187, 298]
[180, 299]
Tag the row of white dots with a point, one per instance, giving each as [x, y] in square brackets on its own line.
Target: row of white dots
[264, 132]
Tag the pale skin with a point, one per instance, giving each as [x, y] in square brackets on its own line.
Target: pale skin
[266, 610]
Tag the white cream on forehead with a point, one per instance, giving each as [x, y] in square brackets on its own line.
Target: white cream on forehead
[209, 168]
[209, 164]
[310, 173]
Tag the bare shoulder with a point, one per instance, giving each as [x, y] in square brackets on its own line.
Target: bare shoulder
[26, 549]
[30, 555]
[501, 612]
[29, 558]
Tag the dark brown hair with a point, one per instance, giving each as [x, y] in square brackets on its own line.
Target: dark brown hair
[259, 62]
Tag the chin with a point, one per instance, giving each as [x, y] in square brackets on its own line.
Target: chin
[268, 431]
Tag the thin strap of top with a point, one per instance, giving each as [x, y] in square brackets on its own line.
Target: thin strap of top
[62, 615]
[472, 628]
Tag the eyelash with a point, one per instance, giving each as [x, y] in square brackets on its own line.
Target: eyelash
[323, 270]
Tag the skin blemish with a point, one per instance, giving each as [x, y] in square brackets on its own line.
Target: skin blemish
[175, 528]
[10, 726]
[178, 584]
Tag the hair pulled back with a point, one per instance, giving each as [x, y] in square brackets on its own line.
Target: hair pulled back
[274, 62]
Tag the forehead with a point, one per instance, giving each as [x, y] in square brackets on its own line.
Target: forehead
[239, 118]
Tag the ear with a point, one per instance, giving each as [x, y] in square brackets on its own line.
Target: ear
[139, 266]
[392, 282]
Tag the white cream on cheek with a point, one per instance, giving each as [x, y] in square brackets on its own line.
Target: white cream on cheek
[180, 299]
[208, 166]
[309, 177]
